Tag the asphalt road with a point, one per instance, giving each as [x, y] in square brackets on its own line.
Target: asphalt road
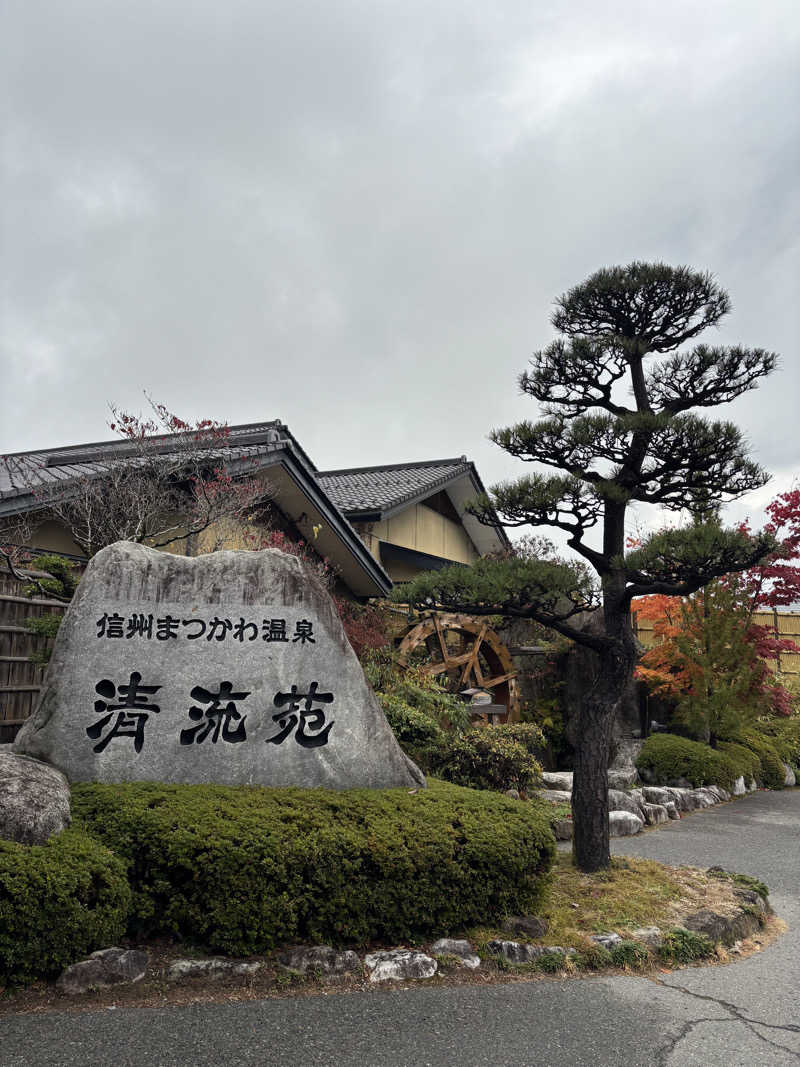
[747, 1013]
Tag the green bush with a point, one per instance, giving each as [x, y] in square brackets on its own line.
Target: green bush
[669, 757]
[745, 761]
[240, 870]
[58, 902]
[685, 946]
[594, 958]
[784, 734]
[773, 772]
[490, 757]
[629, 954]
[410, 726]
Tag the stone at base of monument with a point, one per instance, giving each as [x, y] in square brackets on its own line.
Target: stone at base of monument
[34, 800]
[231, 668]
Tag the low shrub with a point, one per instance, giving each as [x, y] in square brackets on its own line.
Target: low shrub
[594, 958]
[491, 757]
[239, 870]
[410, 726]
[668, 757]
[685, 946]
[773, 772]
[58, 902]
[629, 954]
[745, 761]
[550, 962]
[784, 735]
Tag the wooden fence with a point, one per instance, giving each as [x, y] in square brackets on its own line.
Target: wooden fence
[20, 680]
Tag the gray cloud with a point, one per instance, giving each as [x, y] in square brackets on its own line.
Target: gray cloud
[355, 216]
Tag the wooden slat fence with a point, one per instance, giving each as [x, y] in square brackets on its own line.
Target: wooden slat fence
[20, 680]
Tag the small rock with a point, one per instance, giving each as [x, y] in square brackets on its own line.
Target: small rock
[655, 814]
[34, 800]
[527, 925]
[621, 801]
[214, 967]
[556, 796]
[561, 780]
[624, 823]
[607, 941]
[513, 793]
[463, 951]
[649, 935]
[398, 964]
[563, 829]
[739, 788]
[322, 958]
[789, 779]
[109, 966]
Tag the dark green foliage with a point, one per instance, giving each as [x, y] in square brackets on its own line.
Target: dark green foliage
[669, 757]
[744, 760]
[63, 580]
[58, 902]
[684, 946]
[550, 962]
[239, 870]
[594, 958]
[629, 954]
[772, 770]
[784, 735]
[46, 626]
[412, 727]
[491, 757]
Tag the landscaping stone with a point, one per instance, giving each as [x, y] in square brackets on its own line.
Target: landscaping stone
[672, 809]
[516, 951]
[655, 814]
[722, 795]
[526, 925]
[556, 796]
[321, 958]
[648, 935]
[109, 966]
[563, 829]
[622, 779]
[739, 788]
[657, 794]
[724, 928]
[230, 668]
[624, 823]
[215, 967]
[463, 951]
[513, 793]
[684, 799]
[561, 780]
[751, 899]
[621, 801]
[399, 964]
[34, 800]
[789, 779]
[753, 786]
[704, 798]
[607, 941]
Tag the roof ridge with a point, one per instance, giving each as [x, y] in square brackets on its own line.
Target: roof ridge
[460, 460]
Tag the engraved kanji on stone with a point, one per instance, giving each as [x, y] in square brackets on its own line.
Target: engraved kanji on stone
[274, 630]
[110, 625]
[304, 631]
[140, 626]
[133, 711]
[304, 718]
[215, 720]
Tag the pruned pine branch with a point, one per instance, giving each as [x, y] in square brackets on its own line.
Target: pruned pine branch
[572, 378]
[680, 561]
[707, 376]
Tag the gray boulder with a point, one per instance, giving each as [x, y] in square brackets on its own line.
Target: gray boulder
[704, 798]
[563, 829]
[515, 951]
[722, 795]
[725, 928]
[399, 964]
[621, 801]
[657, 794]
[607, 941]
[34, 800]
[526, 925]
[671, 809]
[109, 966]
[556, 796]
[739, 788]
[462, 951]
[624, 823]
[230, 668]
[320, 958]
[623, 779]
[655, 814]
[215, 967]
[561, 780]
[789, 778]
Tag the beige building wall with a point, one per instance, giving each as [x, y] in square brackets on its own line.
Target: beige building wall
[420, 529]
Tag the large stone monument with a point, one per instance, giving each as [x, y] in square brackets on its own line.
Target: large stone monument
[231, 668]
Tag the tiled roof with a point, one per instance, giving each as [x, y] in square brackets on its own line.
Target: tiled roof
[22, 473]
[379, 489]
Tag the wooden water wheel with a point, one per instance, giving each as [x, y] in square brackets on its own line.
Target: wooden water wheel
[462, 652]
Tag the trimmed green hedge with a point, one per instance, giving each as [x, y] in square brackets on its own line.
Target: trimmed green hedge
[669, 757]
[240, 870]
[744, 760]
[58, 902]
[773, 773]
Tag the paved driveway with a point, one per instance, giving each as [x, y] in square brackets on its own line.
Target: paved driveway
[745, 1014]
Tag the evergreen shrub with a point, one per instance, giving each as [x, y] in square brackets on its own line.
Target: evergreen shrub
[239, 870]
[744, 760]
[772, 770]
[58, 902]
[668, 757]
[492, 757]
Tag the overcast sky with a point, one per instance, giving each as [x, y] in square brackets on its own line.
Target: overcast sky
[354, 216]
